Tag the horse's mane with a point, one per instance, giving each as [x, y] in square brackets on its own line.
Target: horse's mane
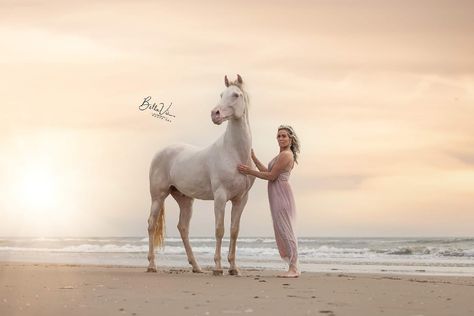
[246, 99]
[241, 87]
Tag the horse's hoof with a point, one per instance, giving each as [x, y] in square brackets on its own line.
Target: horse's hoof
[218, 272]
[234, 271]
[198, 270]
[151, 269]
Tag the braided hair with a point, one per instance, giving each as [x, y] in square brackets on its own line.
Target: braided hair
[295, 142]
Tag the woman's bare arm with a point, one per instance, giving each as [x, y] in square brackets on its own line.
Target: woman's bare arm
[257, 162]
[282, 162]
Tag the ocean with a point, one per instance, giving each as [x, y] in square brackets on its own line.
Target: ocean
[428, 256]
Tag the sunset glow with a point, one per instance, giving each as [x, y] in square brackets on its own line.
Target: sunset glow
[381, 95]
[37, 190]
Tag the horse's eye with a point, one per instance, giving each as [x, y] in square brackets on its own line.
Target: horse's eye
[235, 95]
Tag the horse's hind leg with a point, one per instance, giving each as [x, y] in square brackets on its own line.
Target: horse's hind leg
[157, 206]
[185, 213]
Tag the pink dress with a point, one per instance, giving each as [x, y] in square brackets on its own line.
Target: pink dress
[282, 206]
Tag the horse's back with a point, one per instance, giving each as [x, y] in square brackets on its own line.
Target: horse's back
[171, 151]
[163, 161]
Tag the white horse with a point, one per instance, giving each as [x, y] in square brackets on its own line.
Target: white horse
[187, 173]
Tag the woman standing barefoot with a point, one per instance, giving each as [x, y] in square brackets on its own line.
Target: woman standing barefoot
[280, 195]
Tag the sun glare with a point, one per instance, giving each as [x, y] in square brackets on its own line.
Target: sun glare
[38, 190]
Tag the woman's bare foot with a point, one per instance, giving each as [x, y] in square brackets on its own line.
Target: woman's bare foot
[290, 274]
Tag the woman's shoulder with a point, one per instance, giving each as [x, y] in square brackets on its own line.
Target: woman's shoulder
[286, 157]
[286, 154]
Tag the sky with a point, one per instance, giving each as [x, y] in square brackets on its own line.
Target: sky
[380, 93]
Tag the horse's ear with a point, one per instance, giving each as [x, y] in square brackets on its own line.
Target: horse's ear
[226, 81]
[239, 79]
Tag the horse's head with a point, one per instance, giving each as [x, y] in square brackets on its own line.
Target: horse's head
[233, 102]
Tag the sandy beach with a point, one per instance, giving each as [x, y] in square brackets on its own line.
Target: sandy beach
[48, 289]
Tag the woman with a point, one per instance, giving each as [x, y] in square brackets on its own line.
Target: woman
[280, 195]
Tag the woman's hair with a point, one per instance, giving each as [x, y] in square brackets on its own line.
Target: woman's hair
[295, 142]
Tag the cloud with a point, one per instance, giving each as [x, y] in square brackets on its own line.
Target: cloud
[339, 182]
[46, 46]
[466, 157]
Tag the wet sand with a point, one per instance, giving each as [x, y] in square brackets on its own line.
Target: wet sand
[47, 289]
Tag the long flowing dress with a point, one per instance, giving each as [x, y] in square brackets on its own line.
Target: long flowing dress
[283, 209]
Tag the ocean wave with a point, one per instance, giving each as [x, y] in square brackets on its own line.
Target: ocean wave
[449, 240]
[252, 247]
[209, 250]
[401, 251]
[112, 248]
[433, 251]
[333, 252]
[457, 253]
[212, 240]
[85, 248]
[83, 239]
[102, 240]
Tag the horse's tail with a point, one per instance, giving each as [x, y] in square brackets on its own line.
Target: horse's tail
[159, 238]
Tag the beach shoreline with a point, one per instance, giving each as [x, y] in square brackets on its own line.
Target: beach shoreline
[54, 289]
[410, 256]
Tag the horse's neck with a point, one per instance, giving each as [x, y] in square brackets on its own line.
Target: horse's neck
[238, 137]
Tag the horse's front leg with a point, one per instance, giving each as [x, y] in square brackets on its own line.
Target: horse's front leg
[219, 210]
[237, 209]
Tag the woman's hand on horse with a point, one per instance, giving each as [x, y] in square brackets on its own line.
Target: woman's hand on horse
[243, 169]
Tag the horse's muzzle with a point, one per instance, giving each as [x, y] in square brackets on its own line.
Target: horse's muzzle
[216, 117]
